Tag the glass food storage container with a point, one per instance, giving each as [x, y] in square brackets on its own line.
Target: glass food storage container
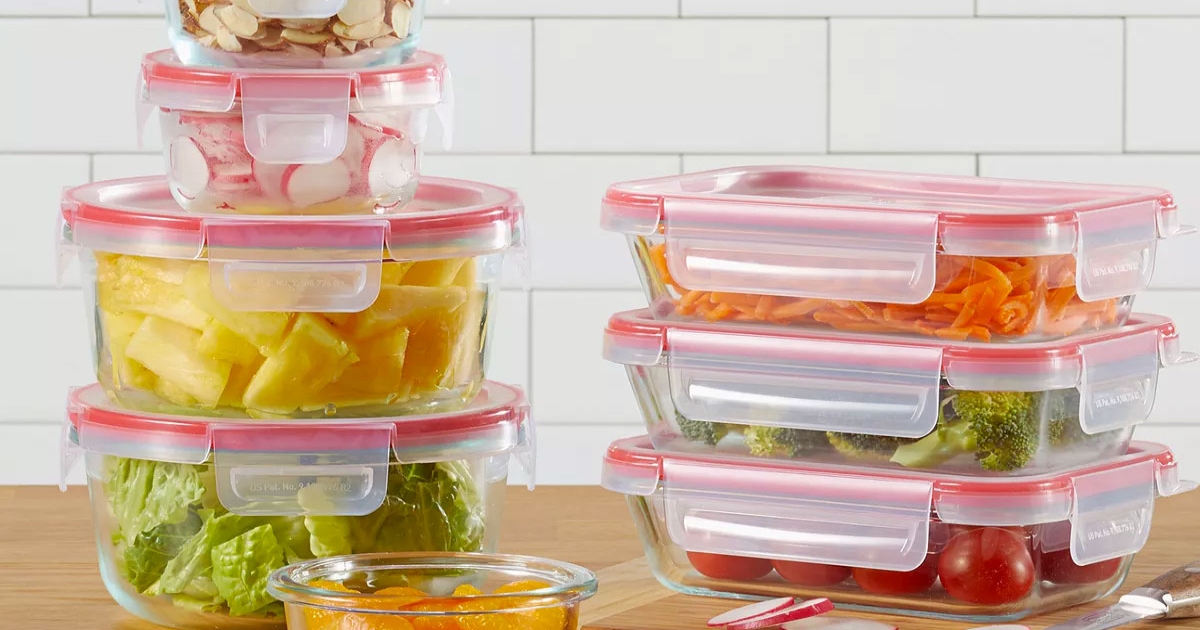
[967, 548]
[294, 33]
[288, 317]
[294, 142]
[192, 514]
[949, 257]
[433, 591]
[959, 407]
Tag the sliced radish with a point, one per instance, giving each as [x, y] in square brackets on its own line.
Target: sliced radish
[799, 610]
[232, 178]
[837, 623]
[310, 184]
[189, 167]
[753, 610]
[269, 178]
[388, 167]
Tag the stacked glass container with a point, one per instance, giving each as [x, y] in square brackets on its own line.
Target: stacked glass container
[908, 393]
[291, 328]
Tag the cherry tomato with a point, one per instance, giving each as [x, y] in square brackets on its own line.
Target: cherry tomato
[721, 567]
[882, 582]
[988, 566]
[811, 574]
[1060, 568]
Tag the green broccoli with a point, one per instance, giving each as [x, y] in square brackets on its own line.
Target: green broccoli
[1002, 429]
[1063, 430]
[701, 431]
[863, 446]
[781, 442]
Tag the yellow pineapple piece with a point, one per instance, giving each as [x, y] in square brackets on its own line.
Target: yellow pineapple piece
[169, 350]
[434, 344]
[406, 306]
[380, 365]
[340, 320]
[311, 356]
[434, 273]
[465, 364]
[174, 395]
[239, 379]
[467, 275]
[118, 330]
[149, 286]
[342, 397]
[393, 271]
[263, 330]
[220, 342]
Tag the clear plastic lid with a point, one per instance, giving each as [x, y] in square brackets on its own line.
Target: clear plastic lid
[261, 464]
[292, 116]
[862, 235]
[879, 519]
[886, 385]
[310, 263]
[297, 9]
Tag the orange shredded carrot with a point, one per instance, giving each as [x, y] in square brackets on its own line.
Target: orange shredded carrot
[975, 298]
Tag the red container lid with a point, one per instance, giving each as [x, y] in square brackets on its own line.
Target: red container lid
[260, 463]
[873, 236]
[885, 519]
[886, 385]
[448, 219]
[295, 116]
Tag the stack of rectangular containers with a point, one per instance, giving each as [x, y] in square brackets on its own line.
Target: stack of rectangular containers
[913, 394]
[290, 329]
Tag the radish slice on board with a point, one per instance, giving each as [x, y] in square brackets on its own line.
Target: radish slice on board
[189, 167]
[799, 610]
[387, 167]
[309, 184]
[837, 623]
[753, 610]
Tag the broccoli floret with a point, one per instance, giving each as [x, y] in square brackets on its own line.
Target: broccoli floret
[1062, 413]
[863, 446]
[781, 442]
[1000, 428]
[700, 431]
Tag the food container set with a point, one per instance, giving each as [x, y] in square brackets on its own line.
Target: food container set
[290, 333]
[906, 393]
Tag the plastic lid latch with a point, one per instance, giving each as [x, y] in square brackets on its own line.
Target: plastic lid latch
[296, 120]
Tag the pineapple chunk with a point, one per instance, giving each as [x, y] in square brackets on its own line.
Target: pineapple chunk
[393, 272]
[174, 395]
[434, 273]
[169, 350]
[148, 286]
[311, 357]
[262, 330]
[435, 343]
[224, 344]
[339, 319]
[467, 275]
[239, 379]
[465, 363]
[380, 365]
[118, 330]
[406, 306]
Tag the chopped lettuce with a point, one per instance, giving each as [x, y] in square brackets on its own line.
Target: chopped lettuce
[195, 558]
[150, 552]
[240, 568]
[145, 495]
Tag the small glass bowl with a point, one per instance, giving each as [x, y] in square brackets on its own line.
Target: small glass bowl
[375, 592]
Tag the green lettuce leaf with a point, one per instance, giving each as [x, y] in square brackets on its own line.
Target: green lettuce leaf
[145, 494]
[328, 535]
[195, 558]
[150, 552]
[240, 568]
[430, 507]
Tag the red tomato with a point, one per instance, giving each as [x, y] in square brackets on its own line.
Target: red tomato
[882, 582]
[1060, 568]
[721, 567]
[811, 574]
[988, 566]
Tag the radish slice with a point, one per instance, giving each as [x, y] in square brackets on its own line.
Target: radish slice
[388, 168]
[837, 623]
[189, 167]
[269, 178]
[753, 610]
[309, 184]
[799, 610]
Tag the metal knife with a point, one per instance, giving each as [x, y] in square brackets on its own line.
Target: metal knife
[1173, 595]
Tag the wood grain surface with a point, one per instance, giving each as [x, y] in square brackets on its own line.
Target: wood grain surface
[49, 579]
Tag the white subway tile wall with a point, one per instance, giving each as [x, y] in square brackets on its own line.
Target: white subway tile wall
[558, 98]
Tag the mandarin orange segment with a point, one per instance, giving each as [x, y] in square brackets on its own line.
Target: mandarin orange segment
[549, 618]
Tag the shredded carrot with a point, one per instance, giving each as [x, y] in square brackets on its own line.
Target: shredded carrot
[975, 298]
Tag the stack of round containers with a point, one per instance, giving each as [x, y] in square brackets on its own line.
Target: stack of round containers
[291, 329]
[912, 394]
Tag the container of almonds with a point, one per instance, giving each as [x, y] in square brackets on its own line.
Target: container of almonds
[294, 33]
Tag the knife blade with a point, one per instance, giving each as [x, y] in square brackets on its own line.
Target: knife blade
[1173, 595]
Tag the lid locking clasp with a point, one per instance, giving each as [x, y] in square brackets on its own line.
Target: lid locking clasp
[296, 120]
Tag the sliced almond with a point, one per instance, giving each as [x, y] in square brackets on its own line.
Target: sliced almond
[361, 11]
[272, 38]
[350, 45]
[303, 52]
[366, 30]
[228, 41]
[239, 22]
[297, 36]
[306, 24]
[246, 6]
[191, 6]
[401, 15]
[261, 33]
[387, 41]
[209, 21]
[209, 41]
[332, 49]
